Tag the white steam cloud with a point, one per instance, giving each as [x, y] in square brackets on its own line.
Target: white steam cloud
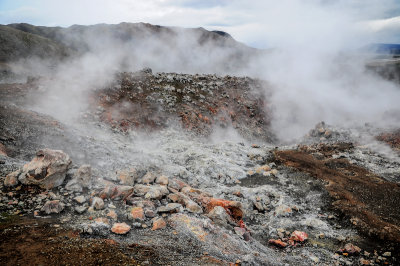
[315, 70]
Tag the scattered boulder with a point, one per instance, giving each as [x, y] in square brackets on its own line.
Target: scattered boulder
[53, 206]
[137, 213]
[48, 169]
[169, 208]
[11, 179]
[116, 192]
[80, 199]
[156, 192]
[120, 228]
[97, 203]
[162, 180]
[351, 249]
[81, 179]
[80, 209]
[220, 217]
[159, 223]
[299, 236]
[127, 177]
[278, 243]
[148, 178]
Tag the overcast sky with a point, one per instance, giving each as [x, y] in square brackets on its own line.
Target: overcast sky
[259, 23]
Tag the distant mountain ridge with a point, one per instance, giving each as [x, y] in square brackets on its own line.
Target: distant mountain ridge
[142, 44]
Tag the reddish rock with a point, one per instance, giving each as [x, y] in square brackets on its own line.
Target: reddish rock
[102, 220]
[278, 243]
[116, 192]
[233, 208]
[112, 214]
[299, 236]
[159, 224]
[48, 169]
[11, 179]
[53, 206]
[120, 228]
[351, 249]
[127, 177]
[137, 213]
[162, 180]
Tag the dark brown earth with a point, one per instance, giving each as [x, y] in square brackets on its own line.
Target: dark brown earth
[36, 242]
[370, 202]
[200, 102]
[392, 138]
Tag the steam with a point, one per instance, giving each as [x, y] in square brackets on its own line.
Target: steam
[315, 70]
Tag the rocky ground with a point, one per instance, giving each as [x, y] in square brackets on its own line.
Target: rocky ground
[173, 169]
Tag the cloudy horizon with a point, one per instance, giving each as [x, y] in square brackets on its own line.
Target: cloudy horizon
[261, 24]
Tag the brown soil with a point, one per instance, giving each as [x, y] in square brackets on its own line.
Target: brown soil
[370, 202]
[229, 104]
[34, 242]
[391, 138]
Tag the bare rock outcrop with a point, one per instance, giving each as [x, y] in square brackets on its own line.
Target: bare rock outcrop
[47, 170]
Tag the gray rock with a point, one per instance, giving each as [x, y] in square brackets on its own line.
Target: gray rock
[53, 206]
[48, 169]
[11, 179]
[219, 216]
[148, 178]
[80, 199]
[170, 207]
[162, 180]
[81, 179]
[80, 209]
[97, 203]
[156, 192]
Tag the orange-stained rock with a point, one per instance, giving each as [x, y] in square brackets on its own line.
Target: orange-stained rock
[299, 236]
[277, 242]
[159, 224]
[102, 220]
[233, 208]
[137, 213]
[11, 179]
[351, 249]
[120, 228]
[112, 214]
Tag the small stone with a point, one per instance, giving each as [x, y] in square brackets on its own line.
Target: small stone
[102, 220]
[170, 207]
[112, 214]
[299, 236]
[364, 262]
[175, 197]
[277, 242]
[162, 180]
[144, 225]
[54, 206]
[97, 203]
[283, 210]
[149, 213]
[137, 213]
[80, 199]
[80, 209]
[192, 206]
[387, 254]
[11, 179]
[314, 259]
[159, 224]
[239, 231]
[351, 249]
[274, 172]
[148, 178]
[120, 228]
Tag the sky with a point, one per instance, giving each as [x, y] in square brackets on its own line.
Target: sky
[258, 23]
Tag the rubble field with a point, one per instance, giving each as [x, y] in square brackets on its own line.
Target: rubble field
[178, 169]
